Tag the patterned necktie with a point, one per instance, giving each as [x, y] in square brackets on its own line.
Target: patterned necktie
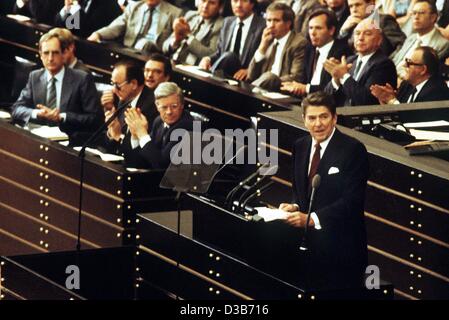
[238, 39]
[51, 93]
[357, 69]
[315, 163]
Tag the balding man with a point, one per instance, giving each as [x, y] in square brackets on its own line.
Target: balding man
[352, 78]
[422, 81]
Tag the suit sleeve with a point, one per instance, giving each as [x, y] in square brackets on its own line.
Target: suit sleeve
[200, 50]
[392, 32]
[91, 115]
[116, 28]
[221, 42]
[356, 171]
[360, 94]
[296, 68]
[22, 108]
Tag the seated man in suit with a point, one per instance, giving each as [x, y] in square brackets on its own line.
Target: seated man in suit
[322, 46]
[336, 235]
[424, 17]
[352, 79]
[361, 9]
[129, 87]
[86, 16]
[195, 35]
[302, 9]
[280, 55]
[69, 49]
[238, 41]
[422, 81]
[151, 147]
[144, 26]
[341, 10]
[56, 95]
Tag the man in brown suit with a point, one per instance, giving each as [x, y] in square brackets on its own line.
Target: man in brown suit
[281, 51]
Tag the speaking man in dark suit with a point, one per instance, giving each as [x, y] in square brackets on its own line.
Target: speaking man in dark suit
[151, 147]
[336, 237]
[57, 95]
[422, 81]
[238, 41]
[352, 79]
[322, 26]
[280, 55]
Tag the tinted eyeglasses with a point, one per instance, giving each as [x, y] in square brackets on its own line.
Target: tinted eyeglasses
[409, 63]
[118, 86]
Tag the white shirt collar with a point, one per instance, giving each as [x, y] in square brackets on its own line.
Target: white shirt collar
[425, 39]
[324, 50]
[136, 98]
[59, 76]
[247, 21]
[420, 86]
[324, 143]
[284, 39]
[366, 57]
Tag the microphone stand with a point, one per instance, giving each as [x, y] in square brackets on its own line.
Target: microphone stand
[82, 155]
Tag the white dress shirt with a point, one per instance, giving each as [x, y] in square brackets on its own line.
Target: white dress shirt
[277, 63]
[356, 77]
[245, 30]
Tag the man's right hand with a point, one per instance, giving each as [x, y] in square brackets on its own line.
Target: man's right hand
[114, 128]
[267, 39]
[95, 37]
[288, 207]
[181, 29]
[205, 63]
[107, 100]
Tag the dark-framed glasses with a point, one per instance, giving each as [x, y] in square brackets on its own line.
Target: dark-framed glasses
[118, 86]
[409, 62]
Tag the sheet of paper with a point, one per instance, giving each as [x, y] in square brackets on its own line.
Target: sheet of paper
[5, 115]
[194, 69]
[19, 17]
[52, 133]
[269, 214]
[429, 135]
[275, 95]
[426, 124]
[104, 156]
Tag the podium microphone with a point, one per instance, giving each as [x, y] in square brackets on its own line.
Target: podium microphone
[315, 184]
[268, 173]
[231, 193]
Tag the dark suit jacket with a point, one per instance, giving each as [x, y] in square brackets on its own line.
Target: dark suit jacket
[43, 11]
[378, 70]
[79, 65]
[99, 14]
[156, 153]
[444, 18]
[338, 251]
[435, 89]
[252, 40]
[393, 35]
[79, 100]
[302, 17]
[292, 60]
[339, 48]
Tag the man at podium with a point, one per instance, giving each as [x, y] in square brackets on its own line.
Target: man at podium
[336, 234]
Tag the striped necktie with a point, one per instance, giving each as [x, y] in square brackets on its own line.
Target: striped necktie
[51, 93]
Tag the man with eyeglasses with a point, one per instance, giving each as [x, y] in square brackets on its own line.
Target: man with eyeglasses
[129, 87]
[150, 148]
[422, 81]
[57, 95]
[424, 17]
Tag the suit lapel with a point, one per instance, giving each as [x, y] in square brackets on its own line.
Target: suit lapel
[163, 18]
[249, 39]
[230, 33]
[285, 61]
[66, 90]
[303, 165]
[41, 89]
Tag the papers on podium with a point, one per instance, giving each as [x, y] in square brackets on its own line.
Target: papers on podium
[194, 69]
[269, 214]
[51, 133]
[104, 156]
[5, 115]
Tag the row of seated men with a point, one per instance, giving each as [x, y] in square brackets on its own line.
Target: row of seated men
[149, 106]
[347, 49]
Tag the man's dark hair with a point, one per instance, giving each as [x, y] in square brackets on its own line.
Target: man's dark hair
[133, 71]
[319, 99]
[430, 59]
[287, 13]
[432, 5]
[164, 60]
[331, 18]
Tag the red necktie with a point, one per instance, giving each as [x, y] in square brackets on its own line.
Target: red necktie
[315, 163]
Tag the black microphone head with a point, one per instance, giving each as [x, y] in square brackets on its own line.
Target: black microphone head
[316, 181]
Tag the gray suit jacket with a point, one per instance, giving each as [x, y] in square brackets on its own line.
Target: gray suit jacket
[79, 100]
[129, 24]
[292, 60]
[438, 42]
[202, 45]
